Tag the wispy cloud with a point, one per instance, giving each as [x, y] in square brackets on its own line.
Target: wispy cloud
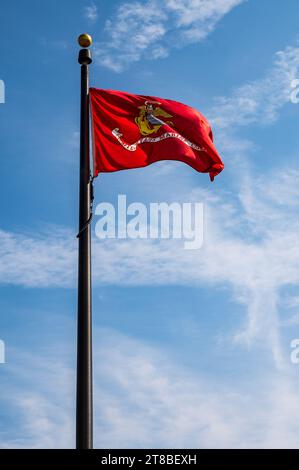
[38, 394]
[144, 399]
[91, 13]
[150, 29]
[45, 260]
[259, 101]
[61, 45]
[250, 246]
[251, 233]
[164, 405]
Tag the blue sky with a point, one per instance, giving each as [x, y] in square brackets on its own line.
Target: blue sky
[191, 349]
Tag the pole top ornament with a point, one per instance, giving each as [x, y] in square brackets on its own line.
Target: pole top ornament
[85, 40]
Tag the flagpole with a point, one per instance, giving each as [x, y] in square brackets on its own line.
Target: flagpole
[84, 411]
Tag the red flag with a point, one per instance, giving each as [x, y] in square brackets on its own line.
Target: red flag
[132, 131]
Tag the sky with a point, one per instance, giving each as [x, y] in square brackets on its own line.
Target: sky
[192, 349]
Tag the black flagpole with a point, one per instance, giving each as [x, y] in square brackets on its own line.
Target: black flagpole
[84, 414]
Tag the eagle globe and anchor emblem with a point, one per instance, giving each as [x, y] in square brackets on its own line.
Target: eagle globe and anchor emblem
[149, 122]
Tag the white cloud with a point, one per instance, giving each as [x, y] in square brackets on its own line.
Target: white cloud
[135, 31]
[145, 400]
[198, 18]
[43, 260]
[38, 396]
[251, 234]
[91, 13]
[250, 245]
[150, 29]
[259, 101]
[59, 44]
[157, 403]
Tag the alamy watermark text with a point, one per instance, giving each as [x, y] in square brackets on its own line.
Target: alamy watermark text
[2, 92]
[158, 221]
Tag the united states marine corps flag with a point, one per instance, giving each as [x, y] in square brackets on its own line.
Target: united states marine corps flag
[133, 131]
[129, 131]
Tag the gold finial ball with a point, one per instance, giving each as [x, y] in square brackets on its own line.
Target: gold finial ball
[85, 40]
